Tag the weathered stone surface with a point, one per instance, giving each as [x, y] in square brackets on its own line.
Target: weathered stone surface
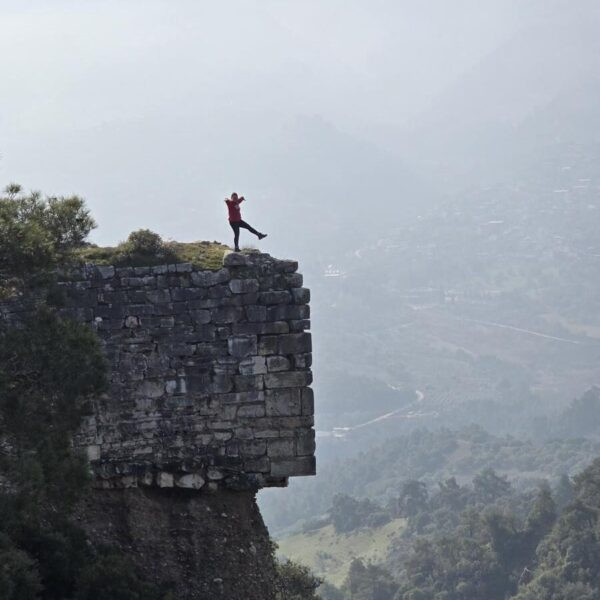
[281, 448]
[275, 297]
[209, 373]
[243, 286]
[191, 481]
[165, 480]
[194, 545]
[301, 465]
[241, 346]
[283, 403]
[288, 379]
[301, 295]
[295, 343]
[308, 401]
[278, 363]
[253, 365]
[235, 259]
[268, 345]
[305, 444]
[209, 278]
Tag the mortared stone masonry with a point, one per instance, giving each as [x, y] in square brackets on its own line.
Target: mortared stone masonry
[210, 374]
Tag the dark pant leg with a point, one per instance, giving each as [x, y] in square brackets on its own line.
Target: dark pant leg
[245, 225]
[236, 234]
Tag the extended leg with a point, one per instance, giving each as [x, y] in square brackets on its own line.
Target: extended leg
[245, 225]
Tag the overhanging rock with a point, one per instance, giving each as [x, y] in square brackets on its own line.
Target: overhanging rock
[209, 374]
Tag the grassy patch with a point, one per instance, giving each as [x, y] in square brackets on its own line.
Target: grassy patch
[205, 255]
[329, 554]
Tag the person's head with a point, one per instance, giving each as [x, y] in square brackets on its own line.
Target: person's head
[234, 196]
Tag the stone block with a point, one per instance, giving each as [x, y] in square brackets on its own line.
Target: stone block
[243, 286]
[200, 317]
[220, 292]
[241, 398]
[308, 401]
[277, 363]
[221, 384]
[210, 278]
[105, 272]
[256, 314]
[288, 379]
[235, 259]
[301, 295]
[226, 314]
[244, 433]
[150, 389]
[248, 383]
[167, 322]
[287, 312]
[93, 452]
[302, 361]
[226, 365]
[253, 448]
[251, 411]
[295, 343]
[268, 345]
[283, 403]
[165, 480]
[241, 346]
[162, 296]
[266, 433]
[257, 465]
[305, 444]
[184, 267]
[131, 322]
[190, 481]
[250, 298]
[274, 328]
[299, 326]
[286, 266]
[274, 297]
[281, 448]
[301, 465]
[253, 365]
[294, 280]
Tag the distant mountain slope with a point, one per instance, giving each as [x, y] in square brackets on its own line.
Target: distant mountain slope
[529, 89]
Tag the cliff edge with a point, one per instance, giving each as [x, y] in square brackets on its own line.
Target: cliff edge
[209, 401]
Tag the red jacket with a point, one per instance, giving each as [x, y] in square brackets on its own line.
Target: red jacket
[234, 210]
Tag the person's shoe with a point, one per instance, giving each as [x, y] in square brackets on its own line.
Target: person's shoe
[237, 250]
[262, 235]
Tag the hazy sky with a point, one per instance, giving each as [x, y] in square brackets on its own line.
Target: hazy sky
[154, 110]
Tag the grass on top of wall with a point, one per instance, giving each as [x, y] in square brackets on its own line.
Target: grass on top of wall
[205, 255]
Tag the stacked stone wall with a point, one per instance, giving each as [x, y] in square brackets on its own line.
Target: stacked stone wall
[209, 373]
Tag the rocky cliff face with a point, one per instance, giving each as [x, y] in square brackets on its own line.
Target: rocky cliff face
[196, 544]
[209, 401]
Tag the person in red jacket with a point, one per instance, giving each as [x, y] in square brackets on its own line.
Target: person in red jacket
[235, 220]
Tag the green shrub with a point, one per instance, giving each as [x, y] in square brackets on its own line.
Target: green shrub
[143, 241]
[296, 582]
[38, 234]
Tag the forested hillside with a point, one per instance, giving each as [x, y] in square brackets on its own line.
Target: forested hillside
[483, 540]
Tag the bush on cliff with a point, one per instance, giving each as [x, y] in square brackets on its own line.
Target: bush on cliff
[49, 368]
[296, 582]
[37, 234]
